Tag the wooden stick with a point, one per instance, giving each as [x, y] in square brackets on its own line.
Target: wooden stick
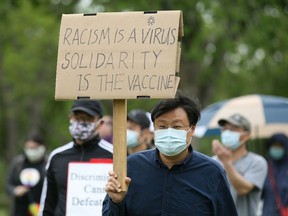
[119, 140]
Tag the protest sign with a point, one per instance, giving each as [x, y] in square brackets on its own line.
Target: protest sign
[119, 56]
[123, 55]
[86, 187]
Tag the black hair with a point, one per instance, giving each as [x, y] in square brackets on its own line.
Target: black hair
[190, 106]
[36, 136]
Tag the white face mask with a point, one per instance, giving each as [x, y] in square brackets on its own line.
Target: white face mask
[35, 154]
[170, 141]
[231, 139]
[276, 152]
[83, 131]
[132, 138]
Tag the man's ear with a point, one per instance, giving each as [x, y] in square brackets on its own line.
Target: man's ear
[246, 136]
[100, 122]
[147, 133]
[193, 127]
[146, 130]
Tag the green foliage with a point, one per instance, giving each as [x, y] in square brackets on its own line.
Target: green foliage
[28, 69]
[230, 48]
[4, 200]
[227, 51]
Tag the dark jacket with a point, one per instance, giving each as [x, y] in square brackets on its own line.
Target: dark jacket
[20, 204]
[280, 173]
[198, 186]
[53, 200]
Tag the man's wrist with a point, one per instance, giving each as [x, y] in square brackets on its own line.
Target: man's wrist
[228, 164]
[116, 202]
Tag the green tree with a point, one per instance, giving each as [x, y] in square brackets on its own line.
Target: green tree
[229, 48]
[28, 54]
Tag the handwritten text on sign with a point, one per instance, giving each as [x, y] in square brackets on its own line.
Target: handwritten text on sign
[86, 188]
[118, 55]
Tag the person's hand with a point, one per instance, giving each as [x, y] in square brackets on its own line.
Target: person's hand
[20, 190]
[113, 188]
[224, 154]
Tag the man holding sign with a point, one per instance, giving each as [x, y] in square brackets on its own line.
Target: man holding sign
[85, 122]
[172, 179]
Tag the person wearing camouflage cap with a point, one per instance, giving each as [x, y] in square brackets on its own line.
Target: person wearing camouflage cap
[246, 170]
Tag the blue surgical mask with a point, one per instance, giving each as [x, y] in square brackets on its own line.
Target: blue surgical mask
[132, 138]
[276, 153]
[230, 139]
[170, 141]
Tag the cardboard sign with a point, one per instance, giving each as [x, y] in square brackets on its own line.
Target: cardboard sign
[124, 55]
[86, 188]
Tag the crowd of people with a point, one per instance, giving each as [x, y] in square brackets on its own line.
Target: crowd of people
[165, 174]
